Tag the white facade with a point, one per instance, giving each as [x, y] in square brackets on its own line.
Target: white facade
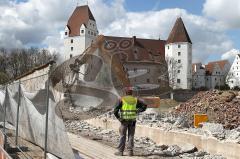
[216, 78]
[199, 76]
[233, 77]
[211, 75]
[77, 44]
[179, 58]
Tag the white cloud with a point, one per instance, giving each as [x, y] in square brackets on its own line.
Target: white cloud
[230, 55]
[41, 21]
[207, 36]
[225, 11]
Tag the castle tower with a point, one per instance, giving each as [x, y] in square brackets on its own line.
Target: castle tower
[80, 32]
[178, 54]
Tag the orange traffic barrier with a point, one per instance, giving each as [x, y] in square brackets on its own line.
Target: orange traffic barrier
[152, 102]
[199, 118]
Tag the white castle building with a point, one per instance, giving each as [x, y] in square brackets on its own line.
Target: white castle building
[80, 32]
[144, 54]
[210, 75]
[233, 77]
[178, 54]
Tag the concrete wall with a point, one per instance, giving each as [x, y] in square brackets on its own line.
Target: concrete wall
[183, 95]
[36, 80]
[149, 75]
[209, 144]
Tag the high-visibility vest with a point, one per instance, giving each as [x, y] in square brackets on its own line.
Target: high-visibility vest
[129, 108]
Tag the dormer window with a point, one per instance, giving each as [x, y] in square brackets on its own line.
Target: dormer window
[82, 31]
[66, 33]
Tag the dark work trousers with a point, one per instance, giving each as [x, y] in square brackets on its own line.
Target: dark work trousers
[127, 126]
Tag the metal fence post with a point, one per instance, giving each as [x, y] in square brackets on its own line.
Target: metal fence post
[4, 119]
[46, 126]
[19, 100]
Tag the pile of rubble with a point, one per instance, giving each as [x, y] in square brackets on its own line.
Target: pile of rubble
[143, 146]
[167, 121]
[221, 107]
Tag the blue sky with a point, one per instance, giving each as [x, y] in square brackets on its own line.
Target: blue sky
[193, 6]
[214, 33]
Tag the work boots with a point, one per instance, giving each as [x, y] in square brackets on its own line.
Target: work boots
[119, 153]
[130, 153]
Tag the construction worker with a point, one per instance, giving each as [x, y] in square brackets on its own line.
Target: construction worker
[126, 112]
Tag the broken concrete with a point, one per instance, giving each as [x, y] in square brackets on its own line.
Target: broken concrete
[174, 137]
[144, 146]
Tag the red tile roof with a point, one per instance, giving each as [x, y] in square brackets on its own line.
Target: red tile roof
[210, 66]
[179, 33]
[81, 15]
[140, 49]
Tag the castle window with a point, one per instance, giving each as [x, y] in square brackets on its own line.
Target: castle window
[179, 46]
[179, 61]
[178, 71]
[148, 80]
[71, 55]
[89, 32]
[168, 47]
[179, 53]
[94, 34]
[82, 31]
[71, 40]
[93, 25]
[71, 48]
[66, 33]
[178, 81]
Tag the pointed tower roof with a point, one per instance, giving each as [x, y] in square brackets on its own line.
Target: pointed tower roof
[81, 15]
[179, 33]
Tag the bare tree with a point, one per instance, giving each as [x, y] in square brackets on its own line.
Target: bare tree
[16, 62]
[173, 67]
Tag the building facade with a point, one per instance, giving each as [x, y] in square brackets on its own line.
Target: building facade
[233, 76]
[80, 32]
[178, 54]
[211, 75]
[143, 54]
[199, 75]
